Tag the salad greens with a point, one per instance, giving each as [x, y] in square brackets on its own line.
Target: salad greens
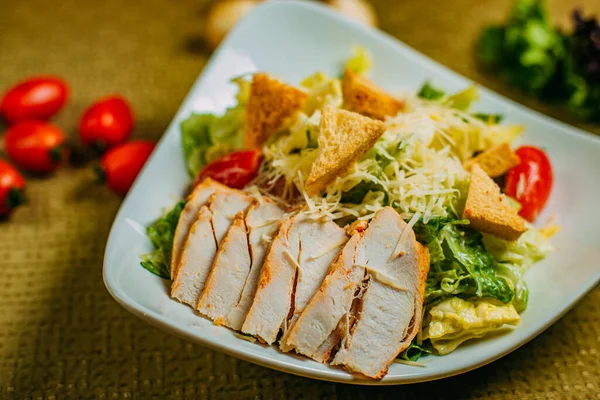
[531, 54]
[161, 233]
[460, 264]
[429, 92]
[466, 266]
[415, 351]
[461, 100]
[207, 137]
[512, 259]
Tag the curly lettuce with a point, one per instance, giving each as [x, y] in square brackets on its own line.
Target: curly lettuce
[161, 233]
[206, 137]
[512, 259]
[460, 264]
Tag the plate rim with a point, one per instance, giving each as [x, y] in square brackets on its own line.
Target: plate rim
[174, 327]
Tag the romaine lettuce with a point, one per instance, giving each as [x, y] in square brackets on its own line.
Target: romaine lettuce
[206, 137]
[161, 234]
[429, 92]
[460, 264]
[512, 259]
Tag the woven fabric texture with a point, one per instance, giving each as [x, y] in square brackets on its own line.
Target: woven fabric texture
[61, 334]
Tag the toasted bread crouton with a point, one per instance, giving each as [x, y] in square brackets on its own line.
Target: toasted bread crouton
[364, 97]
[495, 161]
[488, 210]
[345, 138]
[270, 105]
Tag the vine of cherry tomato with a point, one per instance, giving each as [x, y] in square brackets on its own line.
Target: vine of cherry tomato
[530, 182]
[40, 147]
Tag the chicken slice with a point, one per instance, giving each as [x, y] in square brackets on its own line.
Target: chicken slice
[271, 303]
[189, 214]
[229, 271]
[225, 206]
[198, 253]
[315, 333]
[262, 222]
[391, 308]
[294, 268]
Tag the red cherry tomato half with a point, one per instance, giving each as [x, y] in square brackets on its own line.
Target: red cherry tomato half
[12, 188]
[106, 123]
[120, 165]
[235, 170]
[530, 182]
[36, 146]
[36, 98]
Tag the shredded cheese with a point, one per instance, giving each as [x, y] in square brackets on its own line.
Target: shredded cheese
[415, 167]
[384, 278]
[327, 250]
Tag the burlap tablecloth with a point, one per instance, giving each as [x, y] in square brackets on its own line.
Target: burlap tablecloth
[63, 336]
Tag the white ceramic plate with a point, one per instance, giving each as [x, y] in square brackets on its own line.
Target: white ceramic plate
[292, 40]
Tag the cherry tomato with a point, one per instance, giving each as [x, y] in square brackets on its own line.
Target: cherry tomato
[36, 146]
[36, 98]
[120, 165]
[235, 170]
[106, 123]
[530, 182]
[12, 188]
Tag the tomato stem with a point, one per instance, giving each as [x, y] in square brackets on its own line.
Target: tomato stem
[56, 153]
[16, 197]
[100, 174]
[98, 146]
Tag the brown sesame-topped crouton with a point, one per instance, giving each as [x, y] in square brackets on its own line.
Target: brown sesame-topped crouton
[345, 138]
[495, 161]
[488, 210]
[270, 105]
[364, 97]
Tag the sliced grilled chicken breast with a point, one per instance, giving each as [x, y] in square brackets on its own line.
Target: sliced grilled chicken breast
[315, 333]
[391, 308]
[198, 253]
[294, 268]
[189, 214]
[232, 265]
[228, 274]
[225, 206]
[262, 222]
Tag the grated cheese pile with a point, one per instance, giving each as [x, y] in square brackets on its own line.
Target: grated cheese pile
[416, 166]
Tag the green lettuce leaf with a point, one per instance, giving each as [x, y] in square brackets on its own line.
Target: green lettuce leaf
[429, 92]
[460, 263]
[357, 193]
[512, 259]
[415, 351]
[206, 137]
[490, 119]
[360, 62]
[195, 140]
[161, 233]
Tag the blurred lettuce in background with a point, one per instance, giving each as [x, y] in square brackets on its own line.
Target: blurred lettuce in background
[531, 54]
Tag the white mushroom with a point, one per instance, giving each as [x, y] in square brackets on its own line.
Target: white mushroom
[359, 10]
[222, 16]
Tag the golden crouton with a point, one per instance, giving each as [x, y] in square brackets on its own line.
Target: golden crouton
[495, 161]
[364, 97]
[488, 210]
[345, 138]
[270, 106]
